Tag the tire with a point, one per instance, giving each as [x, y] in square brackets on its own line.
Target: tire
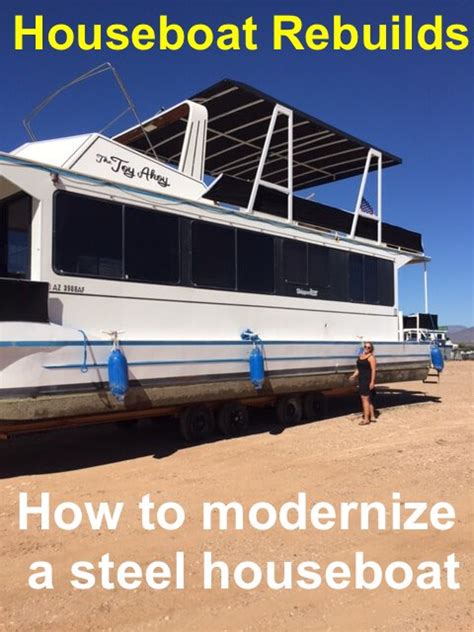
[289, 410]
[233, 419]
[127, 426]
[196, 423]
[315, 406]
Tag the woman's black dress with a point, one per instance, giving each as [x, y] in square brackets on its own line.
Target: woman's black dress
[365, 372]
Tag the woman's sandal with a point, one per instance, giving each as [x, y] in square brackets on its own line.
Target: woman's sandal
[364, 423]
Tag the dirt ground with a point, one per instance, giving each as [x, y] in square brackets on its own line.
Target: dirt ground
[421, 446]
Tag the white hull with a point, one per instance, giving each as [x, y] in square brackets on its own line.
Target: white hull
[59, 367]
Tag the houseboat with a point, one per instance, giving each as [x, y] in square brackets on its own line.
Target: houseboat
[184, 246]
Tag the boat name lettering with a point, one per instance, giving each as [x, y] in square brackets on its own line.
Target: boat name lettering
[302, 292]
[119, 165]
[66, 288]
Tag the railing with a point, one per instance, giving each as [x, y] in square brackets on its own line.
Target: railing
[259, 181]
[106, 67]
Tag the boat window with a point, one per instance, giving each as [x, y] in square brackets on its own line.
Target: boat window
[151, 246]
[103, 239]
[318, 267]
[295, 262]
[356, 277]
[213, 255]
[88, 237]
[370, 280]
[15, 233]
[255, 262]
[385, 282]
[338, 262]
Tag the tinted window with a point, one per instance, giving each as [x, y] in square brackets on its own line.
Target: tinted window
[370, 280]
[295, 264]
[385, 282]
[151, 246]
[318, 267]
[356, 277]
[87, 236]
[213, 255]
[15, 223]
[104, 239]
[255, 262]
[338, 262]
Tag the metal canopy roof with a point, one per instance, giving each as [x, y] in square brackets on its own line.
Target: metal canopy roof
[238, 122]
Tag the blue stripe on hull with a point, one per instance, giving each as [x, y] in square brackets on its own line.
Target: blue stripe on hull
[139, 343]
[351, 358]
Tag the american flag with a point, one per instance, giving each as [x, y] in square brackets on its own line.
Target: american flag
[366, 208]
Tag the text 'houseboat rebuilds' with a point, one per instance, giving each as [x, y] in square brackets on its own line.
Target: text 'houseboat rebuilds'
[121, 244]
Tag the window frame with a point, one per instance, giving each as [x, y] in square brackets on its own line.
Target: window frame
[180, 246]
[4, 208]
[192, 223]
[286, 281]
[366, 266]
[123, 206]
[351, 278]
[56, 269]
[392, 276]
[327, 250]
[274, 259]
[281, 286]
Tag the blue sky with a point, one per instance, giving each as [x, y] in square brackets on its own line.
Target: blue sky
[415, 104]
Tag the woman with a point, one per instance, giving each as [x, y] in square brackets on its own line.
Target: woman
[366, 371]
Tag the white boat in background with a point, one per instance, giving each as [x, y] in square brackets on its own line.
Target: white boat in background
[124, 241]
[422, 327]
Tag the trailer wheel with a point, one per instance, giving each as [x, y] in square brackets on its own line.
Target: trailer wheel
[315, 406]
[127, 426]
[196, 423]
[289, 410]
[233, 419]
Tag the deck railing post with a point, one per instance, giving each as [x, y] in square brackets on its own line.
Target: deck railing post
[259, 180]
[372, 153]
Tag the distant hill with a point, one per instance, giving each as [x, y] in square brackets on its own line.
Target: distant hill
[452, 329]
[466, 334]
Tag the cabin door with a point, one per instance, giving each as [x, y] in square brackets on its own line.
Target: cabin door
[15, 237]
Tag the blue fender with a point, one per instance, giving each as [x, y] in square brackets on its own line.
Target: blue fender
[437, 359]
[118, 374]
[256, 367]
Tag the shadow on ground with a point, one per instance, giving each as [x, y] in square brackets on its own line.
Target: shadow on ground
[65, 450]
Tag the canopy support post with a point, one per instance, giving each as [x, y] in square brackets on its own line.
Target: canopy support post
[425, 283]
[372, 153]
[288, 190]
